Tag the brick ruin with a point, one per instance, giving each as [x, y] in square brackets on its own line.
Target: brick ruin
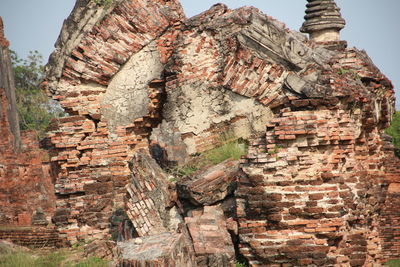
[319, 186]
[26, 186]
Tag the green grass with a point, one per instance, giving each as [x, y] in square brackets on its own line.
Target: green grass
[91, 262]
[19, 259]
[393, 263]
[24, 259]
[187, 170]
[230, 150]
[180, 172]
[233, 149]
[48, 259]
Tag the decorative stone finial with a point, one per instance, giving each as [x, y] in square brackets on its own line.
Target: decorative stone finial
[3, 41]
[323, 21]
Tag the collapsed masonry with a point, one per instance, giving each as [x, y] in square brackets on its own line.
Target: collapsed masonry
[319, 186]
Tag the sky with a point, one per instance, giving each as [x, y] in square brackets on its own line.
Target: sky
[371, 25]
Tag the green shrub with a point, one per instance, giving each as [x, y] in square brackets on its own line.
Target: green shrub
[394, 131]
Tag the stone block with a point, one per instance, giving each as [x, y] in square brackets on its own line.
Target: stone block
[210, 185]
[163, 250]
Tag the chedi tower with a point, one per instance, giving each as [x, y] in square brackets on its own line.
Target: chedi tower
[323, 21]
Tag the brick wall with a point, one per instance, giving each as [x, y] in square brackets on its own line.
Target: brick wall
[92, 146]
[26, 184]
[32, 237]
[317, 180]
[390, 215]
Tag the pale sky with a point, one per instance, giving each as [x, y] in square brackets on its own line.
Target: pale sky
[371, 25]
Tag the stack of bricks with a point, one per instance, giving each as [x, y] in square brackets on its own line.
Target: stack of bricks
[249, 75]
[149, 197]
[390, 217]
[25, 181]
[100, 249]
[32, 236]
[211, 240]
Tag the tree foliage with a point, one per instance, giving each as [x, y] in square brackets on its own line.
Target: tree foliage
[394, 131]
[35, 109]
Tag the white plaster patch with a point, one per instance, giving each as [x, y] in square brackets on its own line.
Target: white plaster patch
[126, 98]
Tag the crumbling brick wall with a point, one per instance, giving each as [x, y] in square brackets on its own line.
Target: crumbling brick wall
[111, 85]
[25, 173]
[317, 179]
[317, 170]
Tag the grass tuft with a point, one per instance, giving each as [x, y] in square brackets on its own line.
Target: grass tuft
[233, 150]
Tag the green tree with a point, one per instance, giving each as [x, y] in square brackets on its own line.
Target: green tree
[35, 109]
[394, 131]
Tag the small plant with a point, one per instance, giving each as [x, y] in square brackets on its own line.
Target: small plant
[180, 172]
[240, 264]
[274, 150]
[353, 73]
[105, 3]
[187, 170]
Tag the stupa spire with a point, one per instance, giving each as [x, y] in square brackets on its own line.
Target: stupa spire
[323, 21]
